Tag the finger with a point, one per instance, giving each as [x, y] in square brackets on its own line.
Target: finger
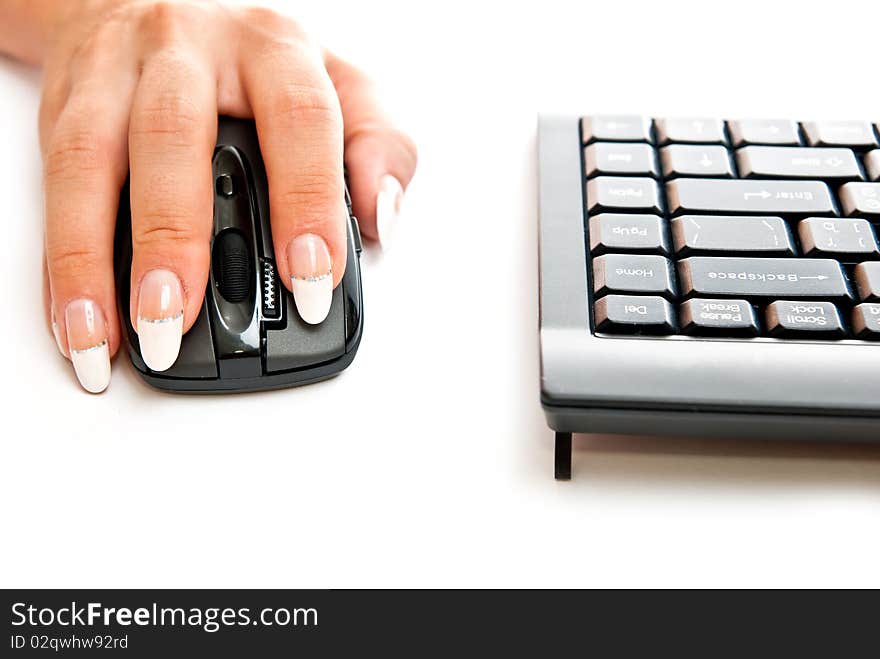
[300, 130]
[171, 138]
[380, 159]
[85, 166]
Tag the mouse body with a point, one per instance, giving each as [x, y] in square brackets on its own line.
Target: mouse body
[249, 335]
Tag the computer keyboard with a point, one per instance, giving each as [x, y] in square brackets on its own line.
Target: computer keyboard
[738, 228]
[737, 247]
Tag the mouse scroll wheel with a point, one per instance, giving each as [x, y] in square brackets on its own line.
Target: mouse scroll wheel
[231, 263]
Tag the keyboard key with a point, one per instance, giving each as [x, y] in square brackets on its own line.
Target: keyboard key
[691, 160]
[699, 234]
[872, 165]
[627, 233]
[608, 193]
[631, 314]
[866, 321]
[628, 273]
[713, 196]
[867, 276]
[622, 128]
[762, 277]
[803, 319]
[702, 316]
[620, 158]
[853, 134]
[860, 198]
[691, 130]
[797, 162]
[823, 236]
[764, 131]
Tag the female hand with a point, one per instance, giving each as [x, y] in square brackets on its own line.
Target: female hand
[137, 85]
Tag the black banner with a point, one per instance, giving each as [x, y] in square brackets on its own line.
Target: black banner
[270, 623]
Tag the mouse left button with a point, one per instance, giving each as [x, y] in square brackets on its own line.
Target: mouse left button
[196, 359]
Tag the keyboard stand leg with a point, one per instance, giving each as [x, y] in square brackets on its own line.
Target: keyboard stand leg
[563, 456]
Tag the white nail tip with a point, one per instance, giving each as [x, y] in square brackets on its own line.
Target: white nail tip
[388, 208]
[313, 297]
[160, 341]
[92, 367]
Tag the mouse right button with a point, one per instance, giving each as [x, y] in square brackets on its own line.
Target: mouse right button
[301, 345]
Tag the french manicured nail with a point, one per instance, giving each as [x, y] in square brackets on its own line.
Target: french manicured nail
[55, 330]
[87, 338]
[389, 206]
[311, 277]
[160, 319]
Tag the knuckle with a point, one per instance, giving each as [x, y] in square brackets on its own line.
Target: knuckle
[164, 226]
[76, 150]
[67, 261]
[312, 200]
[170, 116]
[299, 99]
[162, 18]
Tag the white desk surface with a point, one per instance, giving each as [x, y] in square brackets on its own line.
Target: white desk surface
[428, 463]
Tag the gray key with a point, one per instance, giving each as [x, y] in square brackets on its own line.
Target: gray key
[872, 164]
[825, 236]
[866, 321]
[853, 134]
[619, 158]
[860, 198]
[630, 273]
[627, 233]
[764, 131]
[797, 162]
[702, 316]
[762, 277]
[634, 314]
[693, 130]
[794, 318]
[754, 197]
[692, 160]
[618, 128]
[696, 234]
[606, 193]
[867, 276]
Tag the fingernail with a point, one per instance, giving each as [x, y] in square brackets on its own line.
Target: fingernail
[160, 319]
[389, 206]
[55, 330]
[87, 338]
[311, 277]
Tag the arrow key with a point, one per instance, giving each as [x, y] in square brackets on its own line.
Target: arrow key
[782, 132]
[693, 130]
[689, 160]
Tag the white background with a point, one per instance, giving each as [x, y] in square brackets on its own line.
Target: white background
[428, 463]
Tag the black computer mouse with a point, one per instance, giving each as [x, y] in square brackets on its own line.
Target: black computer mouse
[249, 335]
